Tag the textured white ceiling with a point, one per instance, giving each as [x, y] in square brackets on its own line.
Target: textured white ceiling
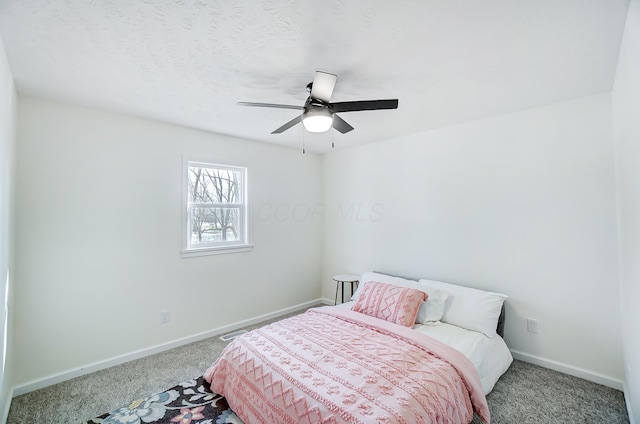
[189, 61]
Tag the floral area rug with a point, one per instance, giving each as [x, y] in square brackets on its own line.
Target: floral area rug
[190, 402]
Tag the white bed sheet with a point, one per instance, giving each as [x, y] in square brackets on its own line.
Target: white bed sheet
[491, 357]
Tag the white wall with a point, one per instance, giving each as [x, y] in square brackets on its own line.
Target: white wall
[522, 204]
[99, 237]
[7, 207]
[626, 112]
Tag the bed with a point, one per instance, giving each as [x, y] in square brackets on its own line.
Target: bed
[402, 351]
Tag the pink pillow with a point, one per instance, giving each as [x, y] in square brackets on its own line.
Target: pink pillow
[389, 302]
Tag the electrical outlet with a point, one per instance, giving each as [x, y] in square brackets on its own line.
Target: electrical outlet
[532, 325]
[165, 316]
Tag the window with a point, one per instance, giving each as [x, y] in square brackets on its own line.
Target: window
[216, 211]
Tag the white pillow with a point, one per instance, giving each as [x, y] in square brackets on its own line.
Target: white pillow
[433, 308]
[473, 309]
[382, 278]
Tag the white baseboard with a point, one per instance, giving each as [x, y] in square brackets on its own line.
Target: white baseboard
[569, 369]
[107, 363]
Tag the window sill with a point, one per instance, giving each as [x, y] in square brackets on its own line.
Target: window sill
[223, 250]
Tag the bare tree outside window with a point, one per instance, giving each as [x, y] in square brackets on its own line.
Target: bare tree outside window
[216, 205]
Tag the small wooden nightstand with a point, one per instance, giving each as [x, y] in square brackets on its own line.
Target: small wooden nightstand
[341, 279]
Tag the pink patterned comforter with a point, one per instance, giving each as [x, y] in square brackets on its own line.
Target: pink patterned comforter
[332, 365]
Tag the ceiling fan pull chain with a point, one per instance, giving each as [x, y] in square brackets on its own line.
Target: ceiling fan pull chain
[333, 135]
[303, 151]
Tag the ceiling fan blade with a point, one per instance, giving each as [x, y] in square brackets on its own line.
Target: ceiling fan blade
[276, 105]
[288, 125]
[341, 125]
[364, 105]
[323, 85]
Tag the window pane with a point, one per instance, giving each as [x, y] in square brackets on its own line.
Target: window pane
[216, 208]
[214, 225]
[214, 185]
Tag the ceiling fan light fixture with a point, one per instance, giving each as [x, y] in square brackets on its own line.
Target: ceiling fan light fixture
[317, 120]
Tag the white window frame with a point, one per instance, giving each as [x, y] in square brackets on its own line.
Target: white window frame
[218, 247]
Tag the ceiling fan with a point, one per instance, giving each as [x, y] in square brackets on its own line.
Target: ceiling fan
[318, 113]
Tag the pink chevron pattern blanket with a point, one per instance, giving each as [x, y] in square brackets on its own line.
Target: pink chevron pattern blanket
[331, 365]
